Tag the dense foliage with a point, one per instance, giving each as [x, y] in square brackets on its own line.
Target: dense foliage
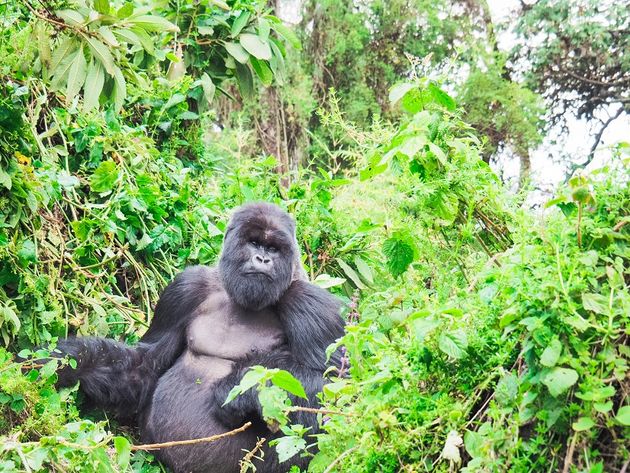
[481, 336]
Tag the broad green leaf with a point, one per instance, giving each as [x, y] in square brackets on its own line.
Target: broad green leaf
[5, 179]
[287, 33]
[125, 11]
[289, 446]
[438, 153]
[153, 23]
[245, 80]
[104, 177]
[209, 88]
[623, 415]
[400, 253]
[102, 6]
[145, 40]
[583, 423]
[285, 380]
[263, 29]
[551, 354]
[7, 314]
[454, 343]
[93, 85]
[102, 54]
[71, 17]
[60, 75]
[559, 380]
[398, 91]
[277, 63]
[239, 23]
[442, 97]
[423, 326]
[237, 52]
[351, 273]
[62, 52]
[123, 450]
[76, 76]
[595, 303]
[255, 46]
[262, 71]
[249, 380]
[220, 4]
[128, 36]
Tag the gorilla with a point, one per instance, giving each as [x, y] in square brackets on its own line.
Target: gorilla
[211, 324]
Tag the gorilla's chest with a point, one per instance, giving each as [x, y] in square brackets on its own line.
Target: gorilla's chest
[223, 330]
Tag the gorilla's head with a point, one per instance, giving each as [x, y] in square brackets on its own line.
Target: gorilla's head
[260, 255]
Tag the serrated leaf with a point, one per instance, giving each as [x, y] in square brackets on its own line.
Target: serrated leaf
[153, 23]
[255, 46]
[285, 380]
[454, 344]
[400, 253]
[398, 91]
[287, 33]
[262, 71]
[249, 380]
[102, 54]
[239, 23]
[93, 85]
[595, 303]
[442, 97]
[551, 353]
[60, 74]
[559, 380]
[76, 76]
[62, 51]
[237, 52]
[289, 446]
[104, 177]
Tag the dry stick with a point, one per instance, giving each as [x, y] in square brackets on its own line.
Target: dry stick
[339, 458]
[568, 459]
[248, 458]
[155, 446]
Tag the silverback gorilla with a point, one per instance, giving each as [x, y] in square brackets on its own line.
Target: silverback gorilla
[210, 325]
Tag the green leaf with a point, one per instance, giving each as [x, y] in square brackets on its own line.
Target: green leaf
[7, 314]
[595, 303]
[153, 23]
[551, 354]
[438, 153]
[399, 90]
[125, 11]
[108, 36]
[62, 52]
[104, 177]
[209, 88]
[442, 97]
[76, 76]
[245, 80]
[71, 17]
[237, 52]
[263, 29]
[128, 36]
[454, 344]
[559, 380]
[249, 380]
[400, 252]
[583, 423]
[255, 46]
[5, 179]
[326, 281]
[351, 273]
[120, 89]
[623, 415]
[287, 34]
[101, 6]
[285, 380]
[364, 270]
[262, 71]
[28, 252]
[123, 449]
[423, 326]
[289, 446]
[93, 85]
[102, 54]
[239, 23]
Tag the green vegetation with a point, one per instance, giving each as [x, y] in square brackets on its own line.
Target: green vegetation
[482, 335]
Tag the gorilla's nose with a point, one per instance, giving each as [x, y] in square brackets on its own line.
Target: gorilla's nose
[262, 262]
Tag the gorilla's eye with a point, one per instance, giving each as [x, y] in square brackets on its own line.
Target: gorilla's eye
[272, 249]
[254, 243]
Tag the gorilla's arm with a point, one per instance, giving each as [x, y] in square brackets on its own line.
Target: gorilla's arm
[120, 378]
[311, 321]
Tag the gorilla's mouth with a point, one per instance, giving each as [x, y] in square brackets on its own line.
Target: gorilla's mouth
[258, 273]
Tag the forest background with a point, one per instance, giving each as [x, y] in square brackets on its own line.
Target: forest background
[483, 334]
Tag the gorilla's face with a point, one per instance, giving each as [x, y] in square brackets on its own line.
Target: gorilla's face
[259, 253]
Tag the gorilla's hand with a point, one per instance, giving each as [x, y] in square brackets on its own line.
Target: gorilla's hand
[243, 408]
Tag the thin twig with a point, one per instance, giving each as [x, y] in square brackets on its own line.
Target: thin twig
[156, 446]
[568, 459]
[339, 458]
[247, 459]
[318, 411]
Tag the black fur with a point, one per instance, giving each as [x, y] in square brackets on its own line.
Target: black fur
[175, 381]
